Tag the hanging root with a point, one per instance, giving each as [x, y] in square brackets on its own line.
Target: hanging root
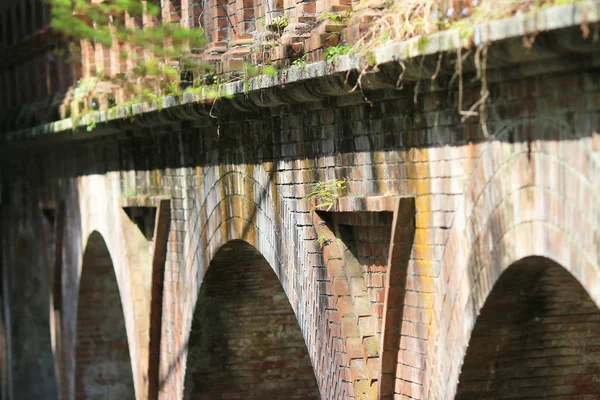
[363, 71]
[400, 81]
[438, 67]
[478, 108]
[459, 73]
[484, 88]
[408, 19]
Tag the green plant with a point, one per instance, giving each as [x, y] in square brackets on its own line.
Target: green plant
[300, 61]
[371, 59]
[322, 241]
[278, 24]
[335, 16]
[90, 126]
[422, 43]
[161, 53]
[129, 193]
[327, 192]
[333, 52]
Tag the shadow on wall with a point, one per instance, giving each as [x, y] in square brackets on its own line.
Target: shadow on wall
[3, 354]
[538, 335]
[385, 125]
[245, 340]
[32, 358]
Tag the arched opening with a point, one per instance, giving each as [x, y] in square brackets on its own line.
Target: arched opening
[245, 340]
[103, 364]
[32, 363]
[538, 336]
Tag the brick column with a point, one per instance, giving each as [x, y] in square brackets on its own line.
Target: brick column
[357, 321]
[241, 16]
[328, 32]
[218, 31]
[88, 58]
[171, 11]
[300, 14]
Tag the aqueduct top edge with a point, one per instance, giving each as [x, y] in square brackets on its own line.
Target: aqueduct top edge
[335, 79]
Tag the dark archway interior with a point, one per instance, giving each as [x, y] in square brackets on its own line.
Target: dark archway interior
[103, 365]
[538, 336]
[245, 341]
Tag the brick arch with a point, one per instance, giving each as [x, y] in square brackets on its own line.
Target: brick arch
[245, 340]
[243, 203]
[522, 200]
[536, 336]
[103, 364]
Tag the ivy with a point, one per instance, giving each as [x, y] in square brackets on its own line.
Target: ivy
[333, 52]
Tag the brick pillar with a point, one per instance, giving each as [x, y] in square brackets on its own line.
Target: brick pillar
[116, 64]
[328, 32]
[88, 59]
[151, 20]
[200, 16]
[76, 65]
[171, 11]
[218, 31]
[194, 11]
[184, 13]
[241, 16]
[301, 16]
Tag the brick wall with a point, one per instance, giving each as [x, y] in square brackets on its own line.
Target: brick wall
[245, 342]
[480, 205]
[103, 366]
[34, 76]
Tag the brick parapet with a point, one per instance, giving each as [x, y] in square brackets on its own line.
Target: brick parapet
[318, 81]
[221, 24]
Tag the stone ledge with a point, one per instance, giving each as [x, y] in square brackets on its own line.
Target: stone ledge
[361, 204]
[143, 200]
[319, 80]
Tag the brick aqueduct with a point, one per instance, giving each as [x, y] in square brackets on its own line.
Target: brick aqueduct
[172, 254]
